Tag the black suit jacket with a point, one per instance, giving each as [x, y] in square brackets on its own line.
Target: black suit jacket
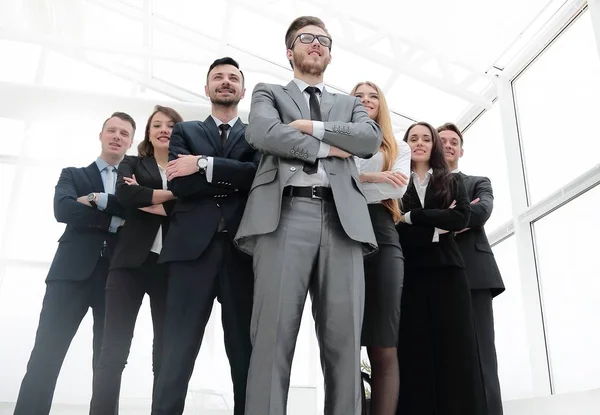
[482, 270]
[138, 233]
[416, 239]
[87, 228]
[201, 204]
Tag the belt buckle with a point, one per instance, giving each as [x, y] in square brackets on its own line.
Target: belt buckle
[314, 194]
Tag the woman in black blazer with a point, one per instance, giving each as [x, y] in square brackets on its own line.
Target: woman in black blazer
[437, 347]
[141, 188]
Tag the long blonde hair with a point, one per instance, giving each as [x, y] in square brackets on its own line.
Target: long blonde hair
[389, 146]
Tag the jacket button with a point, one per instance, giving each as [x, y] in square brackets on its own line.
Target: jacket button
[292, 168]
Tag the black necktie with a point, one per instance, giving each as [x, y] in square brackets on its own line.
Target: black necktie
[315, 115]
[224, 128]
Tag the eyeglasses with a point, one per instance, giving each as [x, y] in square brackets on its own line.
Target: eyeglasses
[308, 38]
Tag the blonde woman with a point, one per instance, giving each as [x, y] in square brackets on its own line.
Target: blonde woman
[384, 178]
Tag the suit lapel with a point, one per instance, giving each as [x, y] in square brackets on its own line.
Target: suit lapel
[93, 175]
[294, 92]
[234, 136]
[213, 135]
[429, 195]
[151, 167]
[327, 101]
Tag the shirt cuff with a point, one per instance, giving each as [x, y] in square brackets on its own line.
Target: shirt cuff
[407, 218]
[209, 169]
[436, 235]
[323, 150]
[102, 201]
[115, 222]
[318, 129]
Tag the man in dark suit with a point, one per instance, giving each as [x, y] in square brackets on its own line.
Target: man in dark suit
[482, 272]
[211, 169]
[84, 200]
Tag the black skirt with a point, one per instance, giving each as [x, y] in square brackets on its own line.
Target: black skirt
[384, 277]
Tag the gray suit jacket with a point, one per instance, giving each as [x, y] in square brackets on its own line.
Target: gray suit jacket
[284, 148]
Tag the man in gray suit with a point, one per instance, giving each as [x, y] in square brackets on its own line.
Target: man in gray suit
[307, 226]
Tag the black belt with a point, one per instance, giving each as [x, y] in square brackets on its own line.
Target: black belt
[314, 192]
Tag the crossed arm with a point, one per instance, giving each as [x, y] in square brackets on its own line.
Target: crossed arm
[267, 133]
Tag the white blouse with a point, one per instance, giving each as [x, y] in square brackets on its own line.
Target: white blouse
[376, 192]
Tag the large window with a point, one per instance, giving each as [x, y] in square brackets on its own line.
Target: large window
[511, 336]
[484, 156]
[569, 265]
[557, 101]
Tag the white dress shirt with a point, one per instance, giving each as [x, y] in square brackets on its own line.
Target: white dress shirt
[300, 178]
[209, 167]
[421, 188]
[108, 173]
[157, 244]
[376, 192]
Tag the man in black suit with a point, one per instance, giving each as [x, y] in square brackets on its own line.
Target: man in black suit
[482, 272]
[84, 200]
[210, 172]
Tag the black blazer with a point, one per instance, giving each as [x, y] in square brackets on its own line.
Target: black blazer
[87, 228]
[416, 239]
[138, 233]
[482, 270]
[200, 204]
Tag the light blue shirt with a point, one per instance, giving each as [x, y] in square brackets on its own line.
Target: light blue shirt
[109, 188]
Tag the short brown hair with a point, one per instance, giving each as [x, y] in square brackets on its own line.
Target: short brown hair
[451, 127]
[123, 116]
[298, 24]
[145, 148]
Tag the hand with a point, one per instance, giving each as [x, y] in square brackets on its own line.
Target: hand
[185, 165]
[475, 201]
[396, 179]
[452, 205]
[442, 231]
[84, 200]
[304, 126]
[131, 181]
[462, 230]
[336, 152]
[401, 220]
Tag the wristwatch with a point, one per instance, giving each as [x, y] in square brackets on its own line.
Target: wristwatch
[92, 200]
[202, 164]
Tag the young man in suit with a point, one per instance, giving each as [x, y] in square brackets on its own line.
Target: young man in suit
[210, 171]
[482, 272]
[84, 200]
[307, 225]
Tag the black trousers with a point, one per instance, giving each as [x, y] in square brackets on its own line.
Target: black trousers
[65, 304]
[437, 349]
[483, 315]
[221, 272]
[125, 291]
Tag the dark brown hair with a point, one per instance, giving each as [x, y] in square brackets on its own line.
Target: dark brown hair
[123, 116]
[224, 61]
[441, 180]
[145, 148]
[298, 24]
[451, 127]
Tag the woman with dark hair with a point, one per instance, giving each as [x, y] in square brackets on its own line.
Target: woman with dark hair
[384, 178]
[134, 271]
[437, 347]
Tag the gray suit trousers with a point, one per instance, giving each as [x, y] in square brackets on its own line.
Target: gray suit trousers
[308, 252]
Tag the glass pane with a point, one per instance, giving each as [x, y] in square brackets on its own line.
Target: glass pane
[24, 59]
[511, 336]
[33, 207]
[568, 262]
[484, 155]
[7, 177]
[11, 139]
[556, 107]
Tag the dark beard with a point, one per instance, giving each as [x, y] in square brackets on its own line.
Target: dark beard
[225, 102]
[307, 67]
